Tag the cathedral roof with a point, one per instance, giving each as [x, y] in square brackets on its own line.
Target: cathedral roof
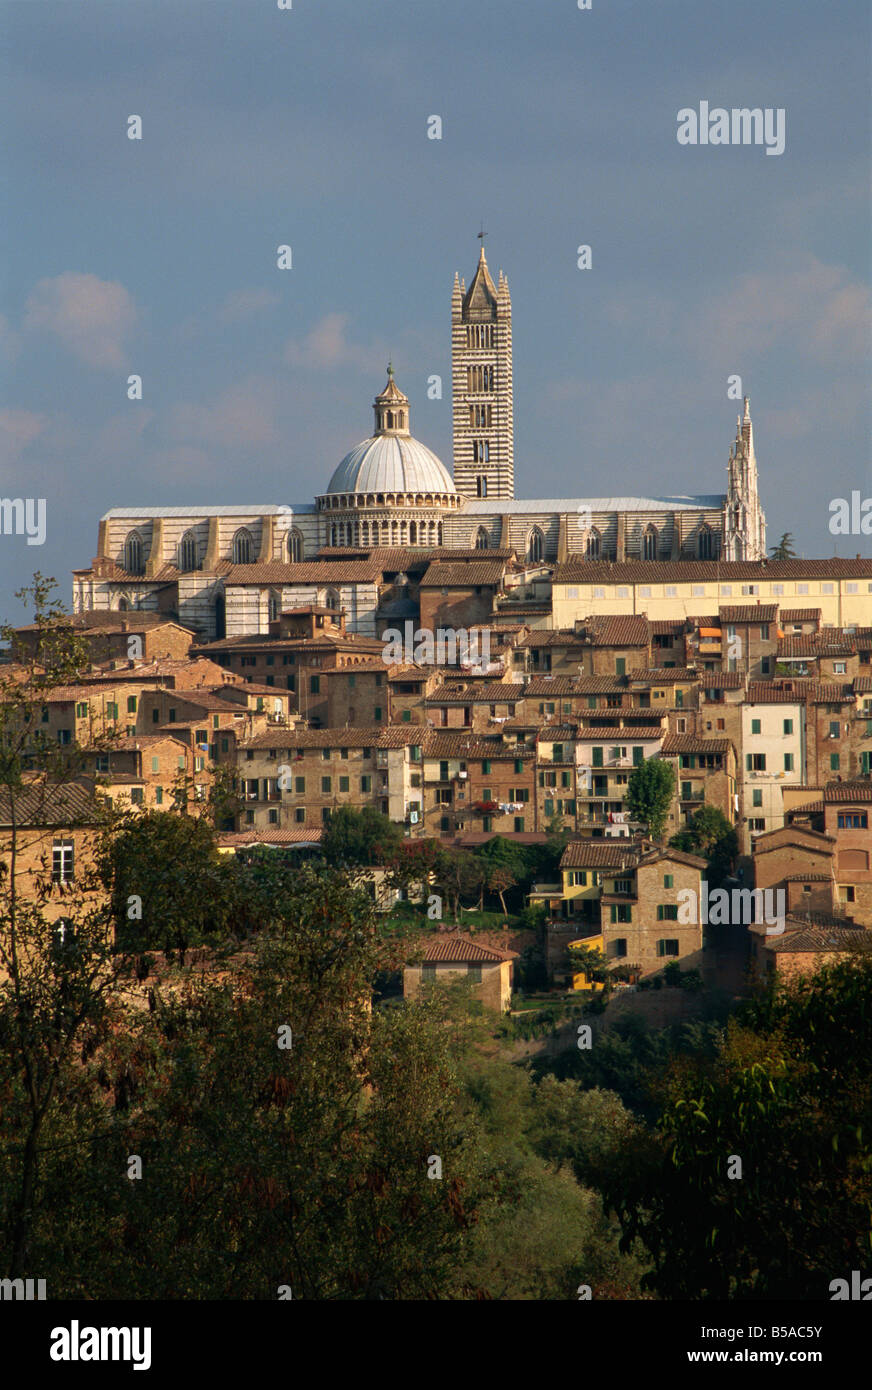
[391, 463]
[482, 292]
[391, 460]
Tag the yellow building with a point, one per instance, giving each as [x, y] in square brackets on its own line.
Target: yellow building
[841, 588]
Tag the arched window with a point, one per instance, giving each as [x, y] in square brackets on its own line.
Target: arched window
[535, 545]
[649, 543]
[295, 545]
[592, 548]
[481, 539]
[123, 605]
[133, 554]
[331, 600]
[188, 552]
[375, 533]
[705, 543]
[273, 607]
[413, 533]
[243, 548]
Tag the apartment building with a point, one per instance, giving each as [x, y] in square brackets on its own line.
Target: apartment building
[705, 775]
[773, 752]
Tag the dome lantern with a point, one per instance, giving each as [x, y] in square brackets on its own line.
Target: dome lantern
[391, 408]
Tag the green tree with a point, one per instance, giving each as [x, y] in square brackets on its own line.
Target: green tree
[784, 549]
[360, 838]
[169, 887]
[710, 835]
[788, 1102]
[56, 972]
[649, 793]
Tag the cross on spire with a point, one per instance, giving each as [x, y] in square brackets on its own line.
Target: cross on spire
[480, 236]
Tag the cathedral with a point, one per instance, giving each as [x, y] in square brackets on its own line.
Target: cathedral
[232, 569]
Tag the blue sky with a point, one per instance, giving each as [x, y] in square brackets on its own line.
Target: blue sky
[309, 127]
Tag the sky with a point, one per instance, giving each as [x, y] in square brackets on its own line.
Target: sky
[308, 127]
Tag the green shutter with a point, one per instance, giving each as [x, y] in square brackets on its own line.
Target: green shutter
[598, 756]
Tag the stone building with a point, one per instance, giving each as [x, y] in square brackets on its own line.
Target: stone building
[227, 570]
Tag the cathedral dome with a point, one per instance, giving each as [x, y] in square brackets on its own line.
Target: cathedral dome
[391, 460]
[390, 463]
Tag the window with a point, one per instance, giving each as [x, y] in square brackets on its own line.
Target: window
[111, 710]
[188, 552]
[839, 668]
[242, 547]
[667, 946]
[486, 767]
[668, 880]
[473, 974]
[300, 786]
[325, 754]
[377, 714]
[343, 784]
[535, 545]
[158, 796]
[314, 685]
[638, 755]
[137, 796]
[82, 710]
[618, 947]
[621, 912]
[366, 784]
[756, 797]
[755, 762]
[667, 912]
[788, 726]
[597, 758]
[326, 786]
[788, 762]
[62, 868]
[834, 762]
[755, 726]
[133, 562]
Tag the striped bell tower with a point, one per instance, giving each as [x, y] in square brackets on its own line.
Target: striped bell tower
[481, 384]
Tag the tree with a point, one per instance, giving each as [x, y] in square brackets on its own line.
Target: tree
[711, 835]
[590, 962]
[764, 1184]
[169, 887]
[56, 973]
[784, 549]
[499, 880]
[457, 874]
[360, 838]
[649, 793]
[287, 1131]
